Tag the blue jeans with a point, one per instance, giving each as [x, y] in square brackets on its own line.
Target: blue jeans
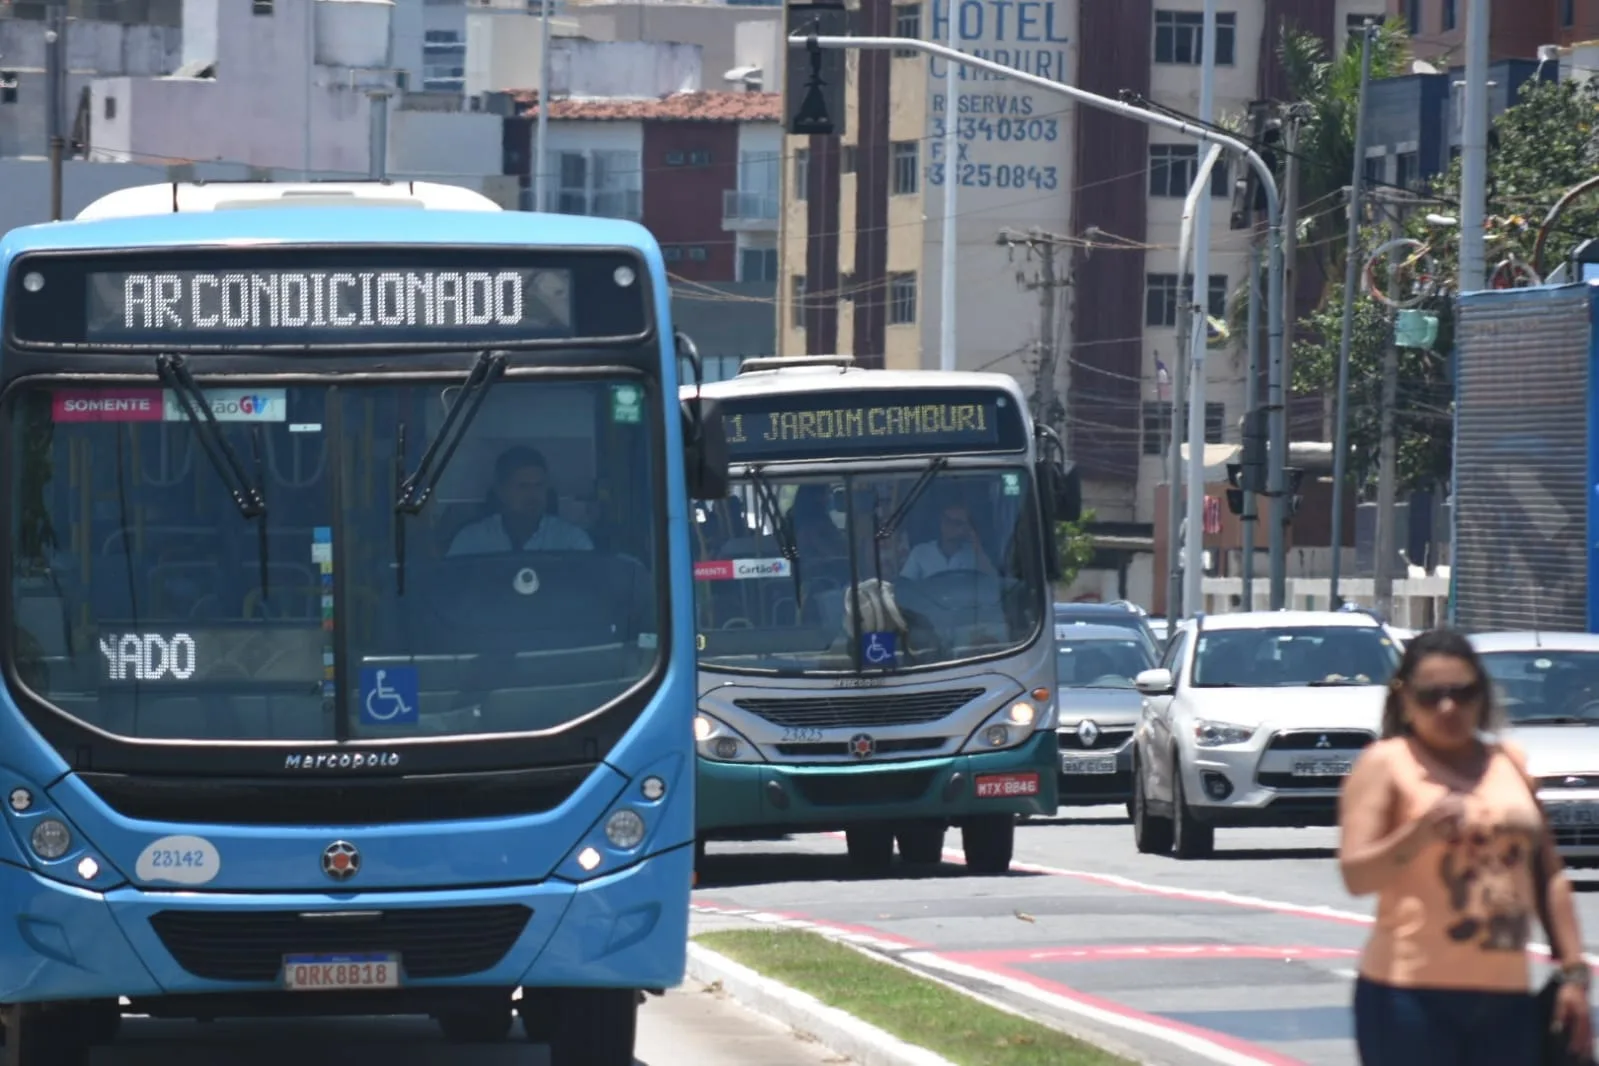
[1444, 1026]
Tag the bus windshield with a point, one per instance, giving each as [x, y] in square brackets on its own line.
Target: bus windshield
[945, 562]
[520, 596]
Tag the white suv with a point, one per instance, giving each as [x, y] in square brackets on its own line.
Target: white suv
[1254, 719]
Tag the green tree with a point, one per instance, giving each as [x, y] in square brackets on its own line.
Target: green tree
[1076, 545]
[1540, 147]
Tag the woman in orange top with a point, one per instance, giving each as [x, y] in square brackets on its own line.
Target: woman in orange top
[1443, 825]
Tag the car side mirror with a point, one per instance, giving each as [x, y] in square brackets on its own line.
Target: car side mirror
[705, 449]
[1156, 682]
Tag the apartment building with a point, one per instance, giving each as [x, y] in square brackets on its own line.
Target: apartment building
[1067, 218]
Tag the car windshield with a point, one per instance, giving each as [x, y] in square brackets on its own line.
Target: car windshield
[1120, 619]
[1100, 663]
[1278, 656]
[958, 578]
[1546, 684]
[147, 604]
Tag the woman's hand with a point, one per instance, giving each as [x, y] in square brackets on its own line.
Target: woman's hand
[1572, 1015]
[1443, 819]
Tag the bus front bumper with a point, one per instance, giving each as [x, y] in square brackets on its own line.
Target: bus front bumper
[735, 798]
[627, 929]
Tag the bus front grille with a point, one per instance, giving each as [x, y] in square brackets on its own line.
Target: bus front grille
[431, 941]
[829, 711]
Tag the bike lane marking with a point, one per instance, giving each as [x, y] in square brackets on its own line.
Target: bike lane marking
[963, 969]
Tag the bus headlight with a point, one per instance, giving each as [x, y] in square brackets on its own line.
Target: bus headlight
[1005, 728]
[624, 829]
[50, 839]
[720, 742]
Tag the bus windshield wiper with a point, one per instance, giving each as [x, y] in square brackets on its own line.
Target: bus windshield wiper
[249, 495]
[785, 536]
[415, 489]
[891, 523]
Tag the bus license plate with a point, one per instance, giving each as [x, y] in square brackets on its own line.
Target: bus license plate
[1573, 814]
[1323, 768]
[1001, 786]
[1095, 764]
[332, 973]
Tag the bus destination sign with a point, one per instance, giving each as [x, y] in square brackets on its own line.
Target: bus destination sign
[392, 298]
[189, 303]
[819, 425]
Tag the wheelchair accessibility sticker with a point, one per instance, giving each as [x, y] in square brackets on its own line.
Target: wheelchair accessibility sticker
[877, 649]
[389, 695]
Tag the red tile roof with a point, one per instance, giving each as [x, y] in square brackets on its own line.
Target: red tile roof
[678, 107]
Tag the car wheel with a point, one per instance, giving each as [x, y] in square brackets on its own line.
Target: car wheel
[1152, 835]
[1190, 839]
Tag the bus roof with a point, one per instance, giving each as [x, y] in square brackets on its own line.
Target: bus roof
[331, 225]
[169, 198]
[813, 378]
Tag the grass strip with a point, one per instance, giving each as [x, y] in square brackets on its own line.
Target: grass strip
[918, 1011]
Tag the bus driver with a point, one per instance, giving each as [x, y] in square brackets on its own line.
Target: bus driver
[521, 520]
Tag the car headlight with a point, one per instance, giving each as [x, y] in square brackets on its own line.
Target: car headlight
[1220, 734]
[1006, 727]
[716, 740]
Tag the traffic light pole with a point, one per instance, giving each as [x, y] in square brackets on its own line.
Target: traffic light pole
[1202, 134]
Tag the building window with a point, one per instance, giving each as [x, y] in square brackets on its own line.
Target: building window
[901, 299]
[8, 86]
[1449, 14]
[674, 159]
[1180, 37]
[848, 158]
[757, 264]
[802, 174]
[671, 253]
[1157, 425]
[698, 254]
[907, 167]
[1568, 12]
[1164, 295]
[608, 184]
[1172, 168]
[796, 301]
[1413, 16]
[699, 158]
[260, 7]
[1376, 170]
[1407, 166]
[110, 107]
[907, 23]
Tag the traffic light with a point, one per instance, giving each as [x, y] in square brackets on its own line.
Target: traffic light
[813, 90]
[1295, 476]
[1253, 457]
[1265, 133]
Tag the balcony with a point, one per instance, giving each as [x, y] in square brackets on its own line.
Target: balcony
[746, 211]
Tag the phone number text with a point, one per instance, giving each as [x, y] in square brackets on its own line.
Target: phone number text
[1009, 130]
[998, 176]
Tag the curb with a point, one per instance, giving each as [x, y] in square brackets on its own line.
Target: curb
[836, 1030]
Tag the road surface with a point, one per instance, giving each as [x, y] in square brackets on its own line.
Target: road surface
[686, 1027]
[1247, 958]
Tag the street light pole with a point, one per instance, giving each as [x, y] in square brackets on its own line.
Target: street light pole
[947, 295]
[1474, 150]
[539, 168]
[1194, 570]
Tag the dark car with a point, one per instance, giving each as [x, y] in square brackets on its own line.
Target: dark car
[1120, 613]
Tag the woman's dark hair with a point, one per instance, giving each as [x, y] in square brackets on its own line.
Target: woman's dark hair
[1455, 645]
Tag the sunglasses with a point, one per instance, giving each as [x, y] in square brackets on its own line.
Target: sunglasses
[1432, 696]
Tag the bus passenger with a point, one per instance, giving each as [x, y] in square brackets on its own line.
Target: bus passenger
[521, 520]
[957, 547]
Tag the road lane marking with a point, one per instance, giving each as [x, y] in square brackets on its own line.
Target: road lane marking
[1147, 953]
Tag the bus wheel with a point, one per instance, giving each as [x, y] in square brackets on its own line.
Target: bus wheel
[44, 1035]
[593, 1027]
[476, 1027]
[871, 847]
[989, 841]
[921, 843]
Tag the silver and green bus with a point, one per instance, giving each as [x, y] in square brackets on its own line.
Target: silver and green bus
[873, 603]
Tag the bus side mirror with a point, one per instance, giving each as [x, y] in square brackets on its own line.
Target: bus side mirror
[1061, 486]
[705, 449]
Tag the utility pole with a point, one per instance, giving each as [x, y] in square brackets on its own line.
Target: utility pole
[55, 39]
[1474, 149]
[1049, 404]
[1351, 277]
[1387, 452]
[949, 252]
[1194, 570]
[1249, 518]
[1277, 400]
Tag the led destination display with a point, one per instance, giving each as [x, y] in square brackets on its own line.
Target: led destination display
[875, 422]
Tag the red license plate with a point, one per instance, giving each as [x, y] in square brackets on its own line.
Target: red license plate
[1002, 786]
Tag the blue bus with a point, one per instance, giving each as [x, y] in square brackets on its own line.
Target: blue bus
[348, 651]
